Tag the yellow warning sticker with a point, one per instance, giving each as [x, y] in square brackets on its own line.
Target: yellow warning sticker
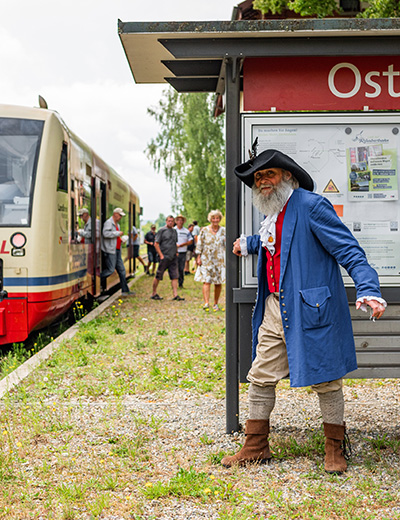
[331, 187]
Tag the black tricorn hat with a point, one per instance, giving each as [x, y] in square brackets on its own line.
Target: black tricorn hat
[273, 159]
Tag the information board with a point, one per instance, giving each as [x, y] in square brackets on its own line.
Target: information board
[354, 161]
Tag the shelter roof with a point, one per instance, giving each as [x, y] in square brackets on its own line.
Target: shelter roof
[191, 55]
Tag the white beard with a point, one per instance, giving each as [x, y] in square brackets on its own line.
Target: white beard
[274, 201]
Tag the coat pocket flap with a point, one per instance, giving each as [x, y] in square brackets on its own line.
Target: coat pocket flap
[315, 297]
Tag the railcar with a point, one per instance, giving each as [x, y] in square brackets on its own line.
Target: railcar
[47, 175]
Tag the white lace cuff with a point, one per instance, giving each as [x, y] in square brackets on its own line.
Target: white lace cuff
[243, 245]
[364, 306]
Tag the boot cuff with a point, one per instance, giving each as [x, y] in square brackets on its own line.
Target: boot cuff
[334, 431]
[257, 427]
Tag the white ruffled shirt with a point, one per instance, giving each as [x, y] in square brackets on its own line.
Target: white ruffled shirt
[267, 234]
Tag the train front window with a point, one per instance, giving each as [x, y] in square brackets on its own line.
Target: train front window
[19, 152]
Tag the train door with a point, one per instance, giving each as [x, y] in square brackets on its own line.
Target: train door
[133, 213]
[94, 230]
[98, 217]
[102, 216]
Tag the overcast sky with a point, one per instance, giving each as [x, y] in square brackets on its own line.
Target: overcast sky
[70, 53]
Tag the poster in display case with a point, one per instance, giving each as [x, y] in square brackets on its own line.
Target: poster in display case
[354, 161]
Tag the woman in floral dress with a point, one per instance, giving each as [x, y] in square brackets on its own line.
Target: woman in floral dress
[211, 258]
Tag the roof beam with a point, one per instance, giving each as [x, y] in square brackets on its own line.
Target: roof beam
[194, 67]
[193, 84]
[186, 48]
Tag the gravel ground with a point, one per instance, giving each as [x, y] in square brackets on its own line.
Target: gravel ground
[372, 411]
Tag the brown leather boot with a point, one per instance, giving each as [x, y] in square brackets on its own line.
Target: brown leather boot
[256, 446]
[336, 442]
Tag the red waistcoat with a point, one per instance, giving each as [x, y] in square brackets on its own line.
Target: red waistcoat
[274, 262]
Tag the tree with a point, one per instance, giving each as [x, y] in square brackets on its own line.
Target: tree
[382, 9]
[189, 149]
[320, 8]
[323, 8]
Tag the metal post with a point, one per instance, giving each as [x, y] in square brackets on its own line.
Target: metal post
[232, 90]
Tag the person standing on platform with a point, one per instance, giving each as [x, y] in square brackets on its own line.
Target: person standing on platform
[210, 259]
[184, 240]
[136, 248]
[152, 256]
[190, 250]
[166, 247]
[111, 247]
[301, 320]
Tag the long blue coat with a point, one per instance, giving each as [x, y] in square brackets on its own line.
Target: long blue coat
[313, 302]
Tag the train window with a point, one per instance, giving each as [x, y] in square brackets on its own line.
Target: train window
[19, 151]
[62, 184]
[84, 213]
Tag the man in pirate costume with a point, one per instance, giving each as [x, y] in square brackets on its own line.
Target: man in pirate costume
[301, 320]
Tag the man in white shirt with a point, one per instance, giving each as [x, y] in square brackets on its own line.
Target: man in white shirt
[184, 239]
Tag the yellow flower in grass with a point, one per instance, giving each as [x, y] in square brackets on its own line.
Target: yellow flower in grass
[212, 477]
[19, 444]
[207, 491]
[149, 484]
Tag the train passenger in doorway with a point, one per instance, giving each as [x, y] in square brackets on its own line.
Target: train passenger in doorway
[301, 320]
[166, 247]
[152, 256]
[185, 239]
[210, 259]
[136, 248]
[85, 234]
[111, 247]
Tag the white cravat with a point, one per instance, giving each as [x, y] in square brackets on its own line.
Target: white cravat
[268, 229]
[268, 232]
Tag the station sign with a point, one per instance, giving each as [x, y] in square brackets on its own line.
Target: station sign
[321, 83]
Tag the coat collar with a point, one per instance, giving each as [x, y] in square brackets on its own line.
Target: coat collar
[289, 225]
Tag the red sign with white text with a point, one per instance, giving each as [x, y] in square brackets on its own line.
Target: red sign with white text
[321, 83]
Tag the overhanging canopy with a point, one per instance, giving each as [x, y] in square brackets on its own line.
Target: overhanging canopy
[191, 55]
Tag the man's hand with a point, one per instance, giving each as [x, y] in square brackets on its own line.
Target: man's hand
[377, 308]
[236, 247]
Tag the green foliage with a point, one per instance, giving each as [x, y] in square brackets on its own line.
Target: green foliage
[270, 6]
[189, 149]
[323, 8]
[382, 9]
[320, 8]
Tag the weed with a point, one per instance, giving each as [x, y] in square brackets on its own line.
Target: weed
[291, 447]
[215, 458]
[205, 439]
[97, 506]
[186, 483]
[71, 492]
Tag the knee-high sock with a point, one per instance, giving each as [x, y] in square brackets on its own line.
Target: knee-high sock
[261, 401]
[332, 407]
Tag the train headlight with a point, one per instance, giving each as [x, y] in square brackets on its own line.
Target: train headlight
[18, 240]
[17, 252]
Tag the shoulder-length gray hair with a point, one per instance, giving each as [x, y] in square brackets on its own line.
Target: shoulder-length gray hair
[214, 213]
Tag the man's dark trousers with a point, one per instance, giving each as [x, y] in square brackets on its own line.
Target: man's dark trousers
[112, 263]
[181, 268]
